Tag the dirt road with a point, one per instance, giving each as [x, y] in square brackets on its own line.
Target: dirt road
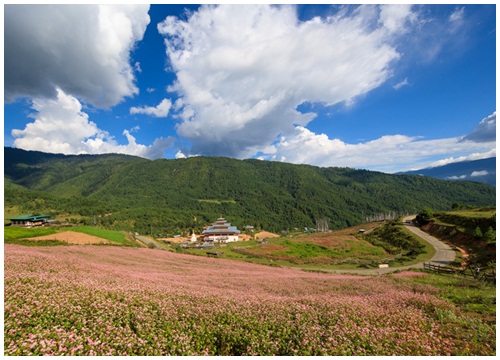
[148, 242]
[444, 253]
[443, 256]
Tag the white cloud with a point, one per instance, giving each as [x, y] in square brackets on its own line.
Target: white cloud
[457, 15]
[82, 49]
[161, 110]
[394, 17]
[485, 131]
[60, 126]
[401, 84]
[455, 177]
[474, 156]
[180, 155]
[473, 174]
[243, 70]
[479, 173]
[389, 153]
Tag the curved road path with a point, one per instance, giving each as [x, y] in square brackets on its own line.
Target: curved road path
[443, 256]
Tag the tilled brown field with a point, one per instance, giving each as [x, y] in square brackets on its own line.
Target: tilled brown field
[72, 237]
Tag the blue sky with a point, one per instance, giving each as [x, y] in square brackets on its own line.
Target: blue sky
[386, 88]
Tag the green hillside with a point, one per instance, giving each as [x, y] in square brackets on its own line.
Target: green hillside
[175, 195]
[473, 230]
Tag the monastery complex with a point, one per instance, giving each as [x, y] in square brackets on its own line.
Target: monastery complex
[221, 232]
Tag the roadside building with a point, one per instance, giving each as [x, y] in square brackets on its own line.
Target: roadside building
[29, 220]
[221, 232]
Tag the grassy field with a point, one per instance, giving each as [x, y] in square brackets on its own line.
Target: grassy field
[117, 237]
[17, 235]
[476, 299]
[17, 232]
[128, 301]
[465, 219]
[427, 253]
[343, 249]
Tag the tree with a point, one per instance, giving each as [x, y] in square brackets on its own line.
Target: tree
[490, 235]
[457, 206]
[425, 215]
[477, 233]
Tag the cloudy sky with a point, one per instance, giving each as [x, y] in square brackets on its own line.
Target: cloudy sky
[385, 88]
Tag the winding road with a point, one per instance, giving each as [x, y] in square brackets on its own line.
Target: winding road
[444, 254]
[149, 242]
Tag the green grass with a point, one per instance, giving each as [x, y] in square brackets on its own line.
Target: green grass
[475, 299]
[303, 250]
[464, 219]
[427, 253]
[111, 235]
[16, 235]
[36, 242]
[479, 213]
[16, 232]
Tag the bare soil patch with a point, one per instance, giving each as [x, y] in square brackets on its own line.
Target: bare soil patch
[265, 234]
[72, 237]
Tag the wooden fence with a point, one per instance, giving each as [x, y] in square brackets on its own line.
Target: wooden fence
[487, 275]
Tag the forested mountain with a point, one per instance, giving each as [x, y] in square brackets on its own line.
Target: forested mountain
[483, 170]
[174, 195]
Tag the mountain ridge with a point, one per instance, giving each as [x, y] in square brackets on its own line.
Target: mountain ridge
[180, 194]
[482, 170]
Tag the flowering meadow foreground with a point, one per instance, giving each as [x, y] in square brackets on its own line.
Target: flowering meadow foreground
[100, 300]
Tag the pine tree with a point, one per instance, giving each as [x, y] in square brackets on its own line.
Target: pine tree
[478, 234]
[490, 235]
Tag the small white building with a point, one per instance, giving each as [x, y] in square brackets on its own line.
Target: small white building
[221, 232]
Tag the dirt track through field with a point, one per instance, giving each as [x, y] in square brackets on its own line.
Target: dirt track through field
[72, 237]
[444, 255]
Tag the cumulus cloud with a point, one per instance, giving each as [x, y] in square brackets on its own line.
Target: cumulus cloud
[485, 131]
[180, 155]
[479, 173]
[60, 126]
[161, 110]
[82, 49]
[242, 71]
[388, 153]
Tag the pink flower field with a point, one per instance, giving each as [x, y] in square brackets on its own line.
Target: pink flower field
[103, 300]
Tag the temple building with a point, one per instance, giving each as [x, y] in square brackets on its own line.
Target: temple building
[221, 232]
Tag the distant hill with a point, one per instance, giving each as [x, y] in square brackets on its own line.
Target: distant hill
[483, 170]
[136, 194]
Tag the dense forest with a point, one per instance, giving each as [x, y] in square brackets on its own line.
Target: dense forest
[170, 196]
